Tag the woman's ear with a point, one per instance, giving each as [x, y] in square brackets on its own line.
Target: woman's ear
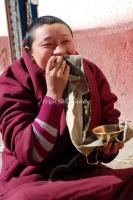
[27, 49]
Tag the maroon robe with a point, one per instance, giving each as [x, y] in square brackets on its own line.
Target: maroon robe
[22, 90]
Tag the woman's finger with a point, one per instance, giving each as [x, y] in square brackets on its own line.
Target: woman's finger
[58, 63]
[107, 148]
[67, 71]
[51, 63]
[121, 145]
[114, 148]
[62, 68]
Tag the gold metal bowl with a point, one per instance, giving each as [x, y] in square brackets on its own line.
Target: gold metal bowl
[109, 132]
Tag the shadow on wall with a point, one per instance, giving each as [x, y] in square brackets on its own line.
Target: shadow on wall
[112, 50]
[5, 54]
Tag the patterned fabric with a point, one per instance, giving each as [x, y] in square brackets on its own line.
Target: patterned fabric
[19, 15]
[14, 26]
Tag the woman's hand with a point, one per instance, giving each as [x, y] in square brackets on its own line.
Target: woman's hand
[56, 74]
[111, 148]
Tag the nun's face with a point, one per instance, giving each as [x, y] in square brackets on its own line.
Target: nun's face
[55, 39]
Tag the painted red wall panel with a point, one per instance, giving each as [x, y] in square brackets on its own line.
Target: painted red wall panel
[5, 54]
[112, 51]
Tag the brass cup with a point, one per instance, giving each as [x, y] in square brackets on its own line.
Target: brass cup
[109, 132]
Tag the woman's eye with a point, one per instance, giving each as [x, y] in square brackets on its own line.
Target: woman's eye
[47, 44]
[65, 41]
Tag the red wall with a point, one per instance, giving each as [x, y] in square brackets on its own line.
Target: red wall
[112, 51]
[5, 54]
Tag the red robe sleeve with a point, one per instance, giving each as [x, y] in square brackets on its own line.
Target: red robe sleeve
[19, 106]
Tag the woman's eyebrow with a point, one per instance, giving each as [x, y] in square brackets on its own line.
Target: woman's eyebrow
[50, 38]
[46, 39]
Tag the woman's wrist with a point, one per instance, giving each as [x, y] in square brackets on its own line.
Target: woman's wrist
[53, 100]
[54, 96]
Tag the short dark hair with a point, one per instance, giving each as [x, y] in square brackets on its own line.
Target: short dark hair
[28, 40]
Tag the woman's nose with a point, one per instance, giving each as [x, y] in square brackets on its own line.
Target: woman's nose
[59, 50]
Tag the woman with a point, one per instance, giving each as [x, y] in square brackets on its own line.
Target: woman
[32, 115]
